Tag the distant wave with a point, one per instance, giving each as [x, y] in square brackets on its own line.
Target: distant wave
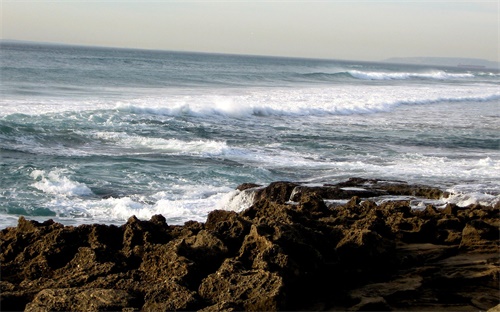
[440, 75]
[375, 75]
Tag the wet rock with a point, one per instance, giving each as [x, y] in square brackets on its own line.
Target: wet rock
[278, 192]
[246, 186]
[384, 187]
[333, 192]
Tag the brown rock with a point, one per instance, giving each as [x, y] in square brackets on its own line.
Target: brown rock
[168, 296]
[358, 246]
[229, 226]
[278, 192]
[480, 234]
[246, 186]
[288, 251]
[70, 299]
[252, 289]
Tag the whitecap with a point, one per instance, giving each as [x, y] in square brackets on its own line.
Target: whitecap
[55, 182]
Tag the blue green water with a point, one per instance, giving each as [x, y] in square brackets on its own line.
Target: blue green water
[97, 135]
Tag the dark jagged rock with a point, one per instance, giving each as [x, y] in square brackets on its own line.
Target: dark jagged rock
[288, 251]
[74, 299]
[394, 188]
[246, 186]
[276, 192]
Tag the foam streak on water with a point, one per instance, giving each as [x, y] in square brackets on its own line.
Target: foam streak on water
[97, 135]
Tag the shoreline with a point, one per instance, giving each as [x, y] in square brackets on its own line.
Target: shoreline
[290, 250]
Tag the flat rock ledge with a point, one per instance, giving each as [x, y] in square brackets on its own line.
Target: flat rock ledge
[288, 251]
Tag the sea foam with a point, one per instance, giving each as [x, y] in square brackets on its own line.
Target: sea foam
[55, 182]
[337, 100]
[140, 144]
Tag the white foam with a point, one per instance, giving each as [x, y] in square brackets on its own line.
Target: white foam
[236, 200]
[184, 204]
[48, 106]
[466, 199]
[474, 193]
[171, 146]
[428, 167]
[55, 182]
[328, 100]
[353, 189]
[280, 101]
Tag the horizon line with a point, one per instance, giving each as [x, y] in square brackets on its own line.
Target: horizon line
[386, 60]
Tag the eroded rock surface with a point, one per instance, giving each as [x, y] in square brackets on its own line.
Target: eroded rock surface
[288, 251]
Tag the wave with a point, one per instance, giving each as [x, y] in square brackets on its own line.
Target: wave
[304, 103]
[141, 144]
[55, 182]
[244, 103]
[112, 144]
[385, 75]
[439, 75]
[381, 75]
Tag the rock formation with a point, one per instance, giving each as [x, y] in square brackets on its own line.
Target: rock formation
[288, 251]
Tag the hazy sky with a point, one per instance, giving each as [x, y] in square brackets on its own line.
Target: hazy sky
[354, 30]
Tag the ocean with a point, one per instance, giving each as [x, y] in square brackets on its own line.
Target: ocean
[96, 135]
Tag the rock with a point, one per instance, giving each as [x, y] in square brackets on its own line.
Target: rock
[451, 209]
[359, 245]
[288, 251]
[246, 186]
[332, 192]
[251, 289]
[371, 304]
[278, 192]
[384, 187]
[480, 234]
[168, 296]
[70, 299]
[229, 226]
[313, 204]
[14, 300]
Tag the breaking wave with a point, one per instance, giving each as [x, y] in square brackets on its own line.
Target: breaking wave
[305, 102]
[57, 183]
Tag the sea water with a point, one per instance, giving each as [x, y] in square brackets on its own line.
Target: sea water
[96, 135]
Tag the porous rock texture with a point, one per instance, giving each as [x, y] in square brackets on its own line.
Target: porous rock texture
[288, 251]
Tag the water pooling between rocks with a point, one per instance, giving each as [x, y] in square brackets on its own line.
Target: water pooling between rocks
[287, 251]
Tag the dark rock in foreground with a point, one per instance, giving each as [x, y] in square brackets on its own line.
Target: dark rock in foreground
[288, 251]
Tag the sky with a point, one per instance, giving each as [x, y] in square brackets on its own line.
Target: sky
[368, 30]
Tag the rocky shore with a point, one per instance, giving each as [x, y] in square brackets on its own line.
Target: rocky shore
[293, 249]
